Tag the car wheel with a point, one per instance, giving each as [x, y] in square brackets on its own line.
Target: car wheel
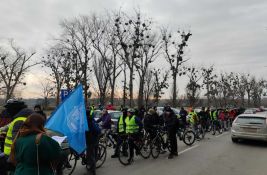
[235, 140]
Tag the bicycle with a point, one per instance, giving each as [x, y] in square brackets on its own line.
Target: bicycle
[73, 158]
[143, 145]
[160, 142]
[199, 131]
[186, 135]
[107, 139]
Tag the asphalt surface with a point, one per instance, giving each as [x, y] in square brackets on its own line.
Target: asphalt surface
[215, 155]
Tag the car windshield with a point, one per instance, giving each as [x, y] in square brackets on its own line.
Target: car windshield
[251, 120]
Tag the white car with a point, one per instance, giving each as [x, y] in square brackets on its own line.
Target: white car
[250, 126]
[160, 110]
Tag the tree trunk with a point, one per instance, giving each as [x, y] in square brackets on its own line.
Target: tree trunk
[113, 87]
[131, 87]
[141, 93]
[174, 94]
[248, 98]
[124, 86]
[208, 93]
[57, 96]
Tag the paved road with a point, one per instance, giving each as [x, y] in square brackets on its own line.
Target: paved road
[215, 155]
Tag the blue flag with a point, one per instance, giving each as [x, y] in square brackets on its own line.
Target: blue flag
[70, 120]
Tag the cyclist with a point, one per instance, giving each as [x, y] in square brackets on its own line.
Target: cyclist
[183, 113]
[150, 123]
[214, 119]
[19, 112]
[133, 128]
[106, 122]
[92, 137]
[193, 120]
[170, 120]
[203, 118]
[121, 128]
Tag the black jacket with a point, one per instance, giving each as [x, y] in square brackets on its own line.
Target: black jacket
[170, 120]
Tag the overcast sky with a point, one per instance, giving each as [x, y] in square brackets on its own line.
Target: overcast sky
[231, 34]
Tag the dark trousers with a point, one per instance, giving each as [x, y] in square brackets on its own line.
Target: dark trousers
[119, 140]
[5, 166]
[132, 145]
[91, 154]
[173, 140]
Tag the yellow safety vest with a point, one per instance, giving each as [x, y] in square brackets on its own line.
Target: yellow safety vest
[192, 119]
[121, 125]
[131, 126]
[9, 136]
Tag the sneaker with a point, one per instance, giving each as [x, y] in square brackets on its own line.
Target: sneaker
[114, 156]
[170, 156]
[163, 151]
[175, 154]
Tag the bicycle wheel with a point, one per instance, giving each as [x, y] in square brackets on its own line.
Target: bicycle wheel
[189, 137]
[124, 153]
[155, 148]
[101, 155]
[70, 163]
[145, 148]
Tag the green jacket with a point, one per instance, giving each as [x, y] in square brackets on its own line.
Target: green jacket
[26, 155]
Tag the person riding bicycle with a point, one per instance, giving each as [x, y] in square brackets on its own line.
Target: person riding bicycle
[203, 118]
[170, 120]
[193, 119]
[121, 129]
[151, 120]
[133, 128]
[106, 122]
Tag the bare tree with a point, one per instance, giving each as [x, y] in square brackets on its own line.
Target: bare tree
[103, 39]
[248, 82]
[102, 77]
[48, 91]
[149, 84]
[14, 64]
[174, 50]
[257, 92]
[193, 86]
[148, 52]
[160, 84]
[76, 40]
[130, 34]
[208, 81]
[60, 67]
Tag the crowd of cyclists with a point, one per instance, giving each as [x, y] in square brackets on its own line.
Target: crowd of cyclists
[144, 132]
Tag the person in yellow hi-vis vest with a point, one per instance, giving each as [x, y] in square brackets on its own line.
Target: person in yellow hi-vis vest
[133, 126]
[193, 120]
[121, 130]
[11, 131]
